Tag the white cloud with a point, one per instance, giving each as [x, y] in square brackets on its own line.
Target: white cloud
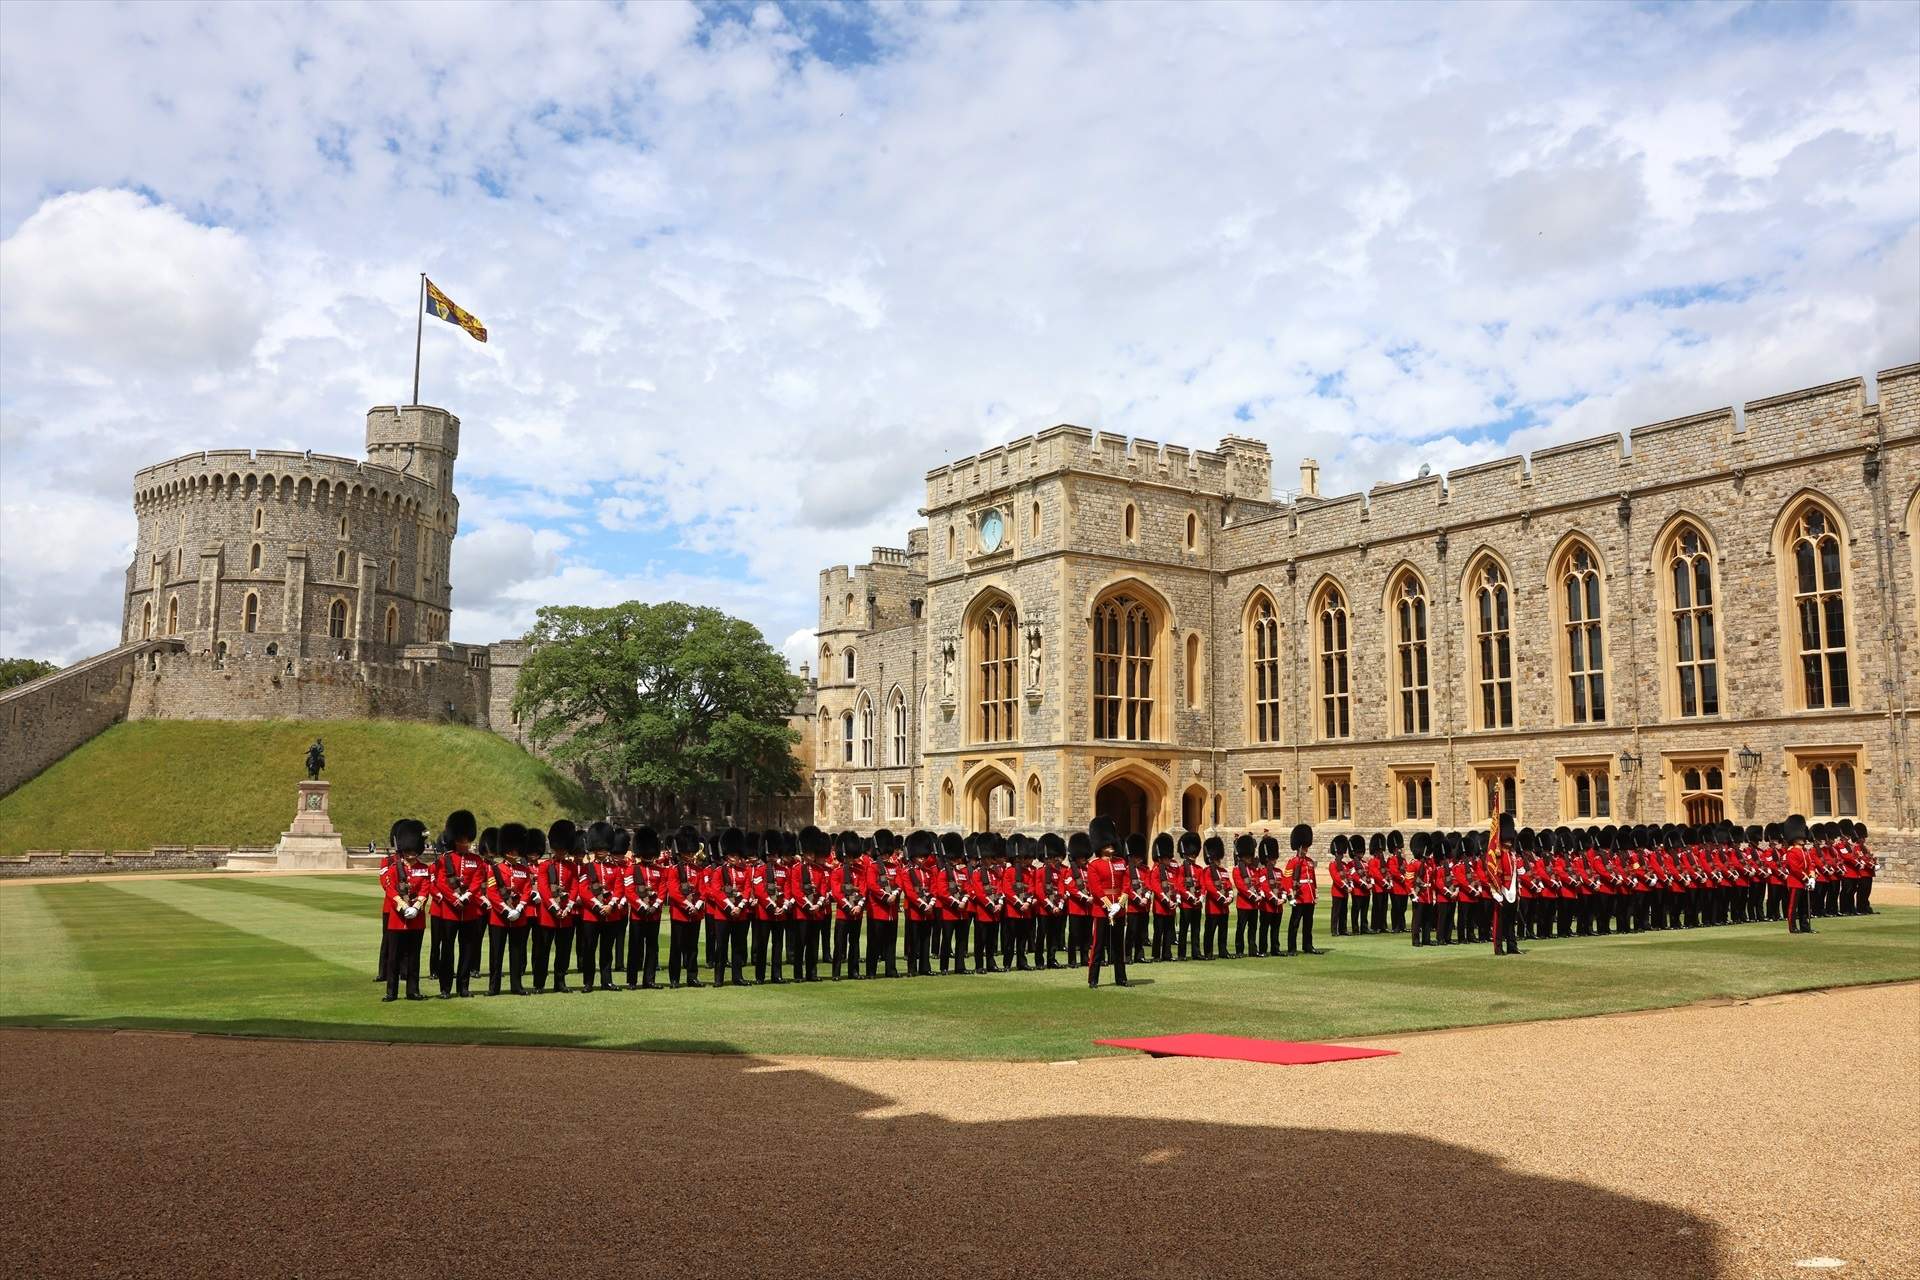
[742, 298]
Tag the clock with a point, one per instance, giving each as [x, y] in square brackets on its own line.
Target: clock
[993, 527]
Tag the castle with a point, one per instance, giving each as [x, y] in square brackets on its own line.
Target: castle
[1709, 618]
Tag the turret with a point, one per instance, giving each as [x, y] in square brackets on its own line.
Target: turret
[416, 439]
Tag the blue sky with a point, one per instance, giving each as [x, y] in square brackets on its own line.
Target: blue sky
[751, 269]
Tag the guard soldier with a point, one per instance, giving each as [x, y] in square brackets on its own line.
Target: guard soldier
[1418, 868]
[1080, 904]
[1273, 897]
[1162, 883]
[510, 910]
[459, 906]
[1016, 905]
[686, 908]
[1054, 885]
[1801, 877]
[915, 880]
[1338, 890]
[1246, 907]
[645, 883]
[1377, 882]
[816, 902]
[884, 901]
[847, 886]
[1502, 875]
[1193, 898]
[1302, 877]
[1216, 896]
[1139, 901]
[405, 885]
[601, 893]
[553, 928]
[1108, 885]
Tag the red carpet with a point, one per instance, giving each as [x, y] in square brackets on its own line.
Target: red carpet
[1285, 1052]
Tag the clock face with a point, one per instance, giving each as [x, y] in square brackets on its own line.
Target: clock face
[992, 529]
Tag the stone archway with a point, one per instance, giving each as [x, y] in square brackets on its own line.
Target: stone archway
[990, 792]
[1193, 808]
[1133, 795]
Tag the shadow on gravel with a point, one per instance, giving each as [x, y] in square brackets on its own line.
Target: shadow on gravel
[263, 1157]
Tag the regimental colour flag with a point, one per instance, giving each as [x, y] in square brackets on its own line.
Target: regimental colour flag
[439, 304]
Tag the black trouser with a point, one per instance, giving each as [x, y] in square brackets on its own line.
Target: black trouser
[1164, 927]
[1272, 926]
[926, 944]
[880, 946]
[1137, 928]
[1379, 922]
[846, 945]
[716, 931]
[738, 931]
[1302, 921]
[803, 951]
[1246, 931]
[1399, 913]
[1214, 937]
[1109, 947]
[821, 943]
[953, 946]
[1339, 914]
[1506, 939]
[506, 942]
[780, 947]
[1444, 920]
[643, 951]
[1056, 938]
[1187, 941]
[910, 940]
[586, 951]
[761, 930]
[443, 939]
[380, 974]
[403, 960]
[1422, 914]
[986, 945]
[1016, 941]
[1600, 908]
[557, 940]
[1079, 939]
[1359, 911]
[1799, 914]
[683, 951]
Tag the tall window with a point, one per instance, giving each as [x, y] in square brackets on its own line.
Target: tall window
[253, 557]
[1193, 669]
[1415, 794]
[1588, 791]
[1819, 605]
[393, 574]
[846, 738]
[1696, 661]
[1495, 786]
[1582, 639]
[250, 613]
[146, 621]
[1123, 635]
[996, 666]
[1493, 644]
[1410, 652]
[1265, 797]
[866, 732]
[848, 661]
[1193, 531]
[337, 620]
[1334, 793]
[897, 714]
[393, 625]
[1330, 626]
[340, 565]
[1263, 656]
[1830, 790]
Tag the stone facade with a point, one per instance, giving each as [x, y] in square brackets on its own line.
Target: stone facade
[1187, 560]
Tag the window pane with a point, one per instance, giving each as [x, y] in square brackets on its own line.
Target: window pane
[1844, 801]
[1839, 693]
[1803, 562]
[1830, 564]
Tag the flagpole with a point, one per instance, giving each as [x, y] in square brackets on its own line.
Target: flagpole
[419, 321]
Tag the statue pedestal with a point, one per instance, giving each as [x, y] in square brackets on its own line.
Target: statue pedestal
[311, 843]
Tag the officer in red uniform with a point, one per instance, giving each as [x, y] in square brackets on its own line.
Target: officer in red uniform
[1419, 873]
[510, 912]
[1216, 898]
[847, 886]
[1050, 884]
[1017, 904]
[553, 927]
[1080, 905]
[598, 894]
[735, 880]
[458, 908]
[405, 885]
[1399, 883]
[884, 900]
[686, 908]
[1162, 879]
[816, 901]
[1108, 883]
[645, 884]
[1246, 906]
[1501, 872]
[1800, 874]
[1377, 882]
[1337, 888]
[984, 900]
[1302, 877]
[915, 880]
[953, 891]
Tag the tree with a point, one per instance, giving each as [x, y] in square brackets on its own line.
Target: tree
[656, 703]
[17, 671]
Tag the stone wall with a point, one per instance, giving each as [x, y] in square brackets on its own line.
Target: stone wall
[1192, 536]
[44, 719]
[193, 686]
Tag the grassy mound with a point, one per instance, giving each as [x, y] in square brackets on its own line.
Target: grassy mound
[161, 782]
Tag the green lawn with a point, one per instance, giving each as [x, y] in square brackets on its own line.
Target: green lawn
[294, 956]
[160, 782]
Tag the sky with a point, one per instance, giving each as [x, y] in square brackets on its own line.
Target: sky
[751, 270]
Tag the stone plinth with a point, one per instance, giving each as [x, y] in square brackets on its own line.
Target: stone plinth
[311, 843]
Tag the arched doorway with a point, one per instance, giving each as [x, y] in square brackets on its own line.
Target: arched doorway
[1193, 808]
[1133, 795]
[990, 797]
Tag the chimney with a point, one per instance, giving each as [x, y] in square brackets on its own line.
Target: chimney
[1309, 478]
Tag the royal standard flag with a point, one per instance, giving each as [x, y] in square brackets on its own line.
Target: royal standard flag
[439, 304]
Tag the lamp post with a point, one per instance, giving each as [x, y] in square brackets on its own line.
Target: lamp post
[1629, 765]
[1749, 770]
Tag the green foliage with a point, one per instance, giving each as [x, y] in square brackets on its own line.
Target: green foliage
[159, 782]
[657, 703]
[294, 956]
[17, 671]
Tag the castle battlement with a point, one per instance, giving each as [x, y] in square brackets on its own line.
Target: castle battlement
[1775, 431]
[1239, 468]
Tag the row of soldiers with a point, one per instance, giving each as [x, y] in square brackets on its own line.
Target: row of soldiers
[590, 900]
[1596, 881]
